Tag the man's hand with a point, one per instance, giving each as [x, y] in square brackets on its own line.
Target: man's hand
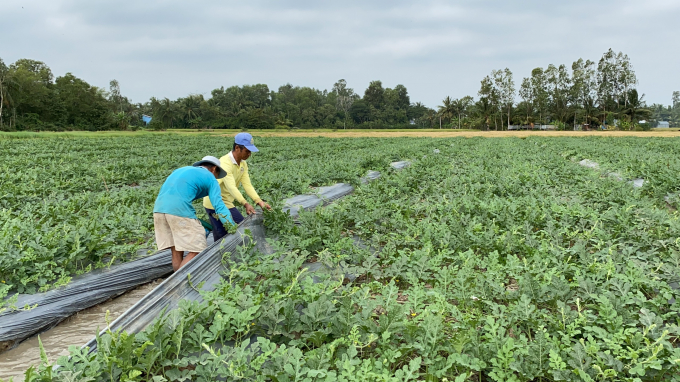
[264, 205]
[249, 209]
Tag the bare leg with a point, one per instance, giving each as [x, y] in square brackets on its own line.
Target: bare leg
[188, 258]
[176, 258]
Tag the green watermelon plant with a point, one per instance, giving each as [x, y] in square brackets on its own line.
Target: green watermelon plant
[493, 260]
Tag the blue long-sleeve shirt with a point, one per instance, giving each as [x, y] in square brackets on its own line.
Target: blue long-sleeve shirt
[185, 185]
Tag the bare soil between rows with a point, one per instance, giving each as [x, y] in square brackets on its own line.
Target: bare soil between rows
[75, 330]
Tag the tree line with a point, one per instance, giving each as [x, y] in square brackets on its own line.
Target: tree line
[589, 94]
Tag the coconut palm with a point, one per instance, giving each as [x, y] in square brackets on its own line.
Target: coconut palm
[191, 107]
[163, 111]
[431, 117]
[636, 108]
[460, 106]
[122, 120]
[483, 111]
[447, 110]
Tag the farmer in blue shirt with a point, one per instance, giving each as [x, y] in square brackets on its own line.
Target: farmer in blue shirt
[174, 218]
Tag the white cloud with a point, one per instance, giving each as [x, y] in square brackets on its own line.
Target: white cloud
[435, 48]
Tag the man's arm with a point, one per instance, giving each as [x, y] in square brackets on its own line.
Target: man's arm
[250, 190]
[221, 210]
[248, 187]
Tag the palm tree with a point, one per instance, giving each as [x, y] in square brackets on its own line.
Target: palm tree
[282, 121]
[163, 111]
[191, 106]
[484, 109]
[448, 109]
[461, 105]
[636, 108]
[430, 116]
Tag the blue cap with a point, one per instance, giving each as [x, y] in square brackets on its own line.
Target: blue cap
[245, 139]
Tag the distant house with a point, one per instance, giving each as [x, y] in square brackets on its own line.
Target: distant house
[663, 124]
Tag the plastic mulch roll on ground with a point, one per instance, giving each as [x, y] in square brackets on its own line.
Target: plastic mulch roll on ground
[588, 163]
[204, 268]
[370, 176]
[324, 196]
[82, 292]
[100, 285]
[636, 183]
[400, 165]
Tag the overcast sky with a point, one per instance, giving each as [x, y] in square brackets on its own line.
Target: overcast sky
[434, 48]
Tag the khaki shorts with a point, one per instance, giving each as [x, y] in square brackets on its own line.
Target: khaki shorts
[185, 234]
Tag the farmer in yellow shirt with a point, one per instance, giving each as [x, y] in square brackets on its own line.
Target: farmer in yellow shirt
[236, 167]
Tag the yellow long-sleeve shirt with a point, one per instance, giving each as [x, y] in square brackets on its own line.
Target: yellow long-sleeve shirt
[237, 175]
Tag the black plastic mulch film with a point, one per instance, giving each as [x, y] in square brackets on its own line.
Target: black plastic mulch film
[95, 287]
[206, 266]
[50, 308]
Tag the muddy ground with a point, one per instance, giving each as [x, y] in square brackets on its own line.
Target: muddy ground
[75, 330]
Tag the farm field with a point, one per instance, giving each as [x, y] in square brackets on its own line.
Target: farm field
[488, 259]
[352, 133]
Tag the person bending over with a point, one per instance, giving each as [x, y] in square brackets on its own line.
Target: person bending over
[174, 218]
[237, 175]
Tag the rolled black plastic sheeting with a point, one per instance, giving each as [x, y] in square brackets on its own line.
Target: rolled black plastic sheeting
[203, 270]
[370, 176]
[636, 183]
[50, 308]
[400, 165]
[324, 196]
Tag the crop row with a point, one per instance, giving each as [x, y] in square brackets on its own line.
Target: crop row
[497, 260]
[68, 205]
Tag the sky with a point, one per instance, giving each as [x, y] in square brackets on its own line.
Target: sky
[436, 49]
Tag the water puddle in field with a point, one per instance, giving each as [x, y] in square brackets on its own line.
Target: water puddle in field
[75, 330]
